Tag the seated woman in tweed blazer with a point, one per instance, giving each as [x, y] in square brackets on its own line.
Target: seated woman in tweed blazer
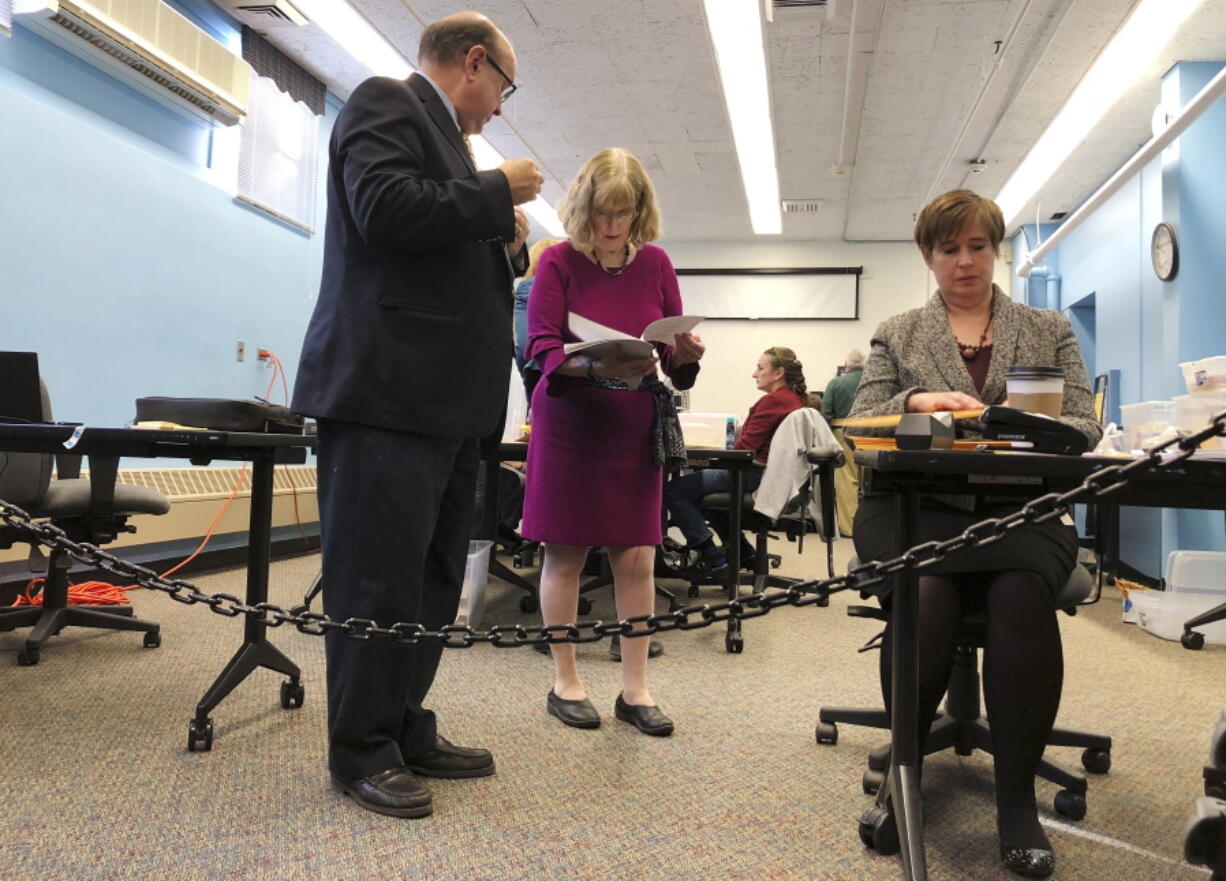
[952, 354]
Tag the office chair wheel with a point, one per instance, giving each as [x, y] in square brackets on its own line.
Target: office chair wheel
[27, 656]
[827, 733]
[871, 782]
[528, 604]
[692, 591]
[292, 694]
[1096, 761]
[878, 830]
[1192, 640]
[585, 606]
[1070, 804]
[153, 639]
[1215, 790]
[199, 735]
[734, 643]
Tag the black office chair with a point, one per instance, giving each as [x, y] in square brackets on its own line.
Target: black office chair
[94, 511]
[1204, 837]
[810, 510]
[961, 725]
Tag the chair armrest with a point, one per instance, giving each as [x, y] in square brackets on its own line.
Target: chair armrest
[826, 459]
[67, 466]
[832, 455]
[103, 472]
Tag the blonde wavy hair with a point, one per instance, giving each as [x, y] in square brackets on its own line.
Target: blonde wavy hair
[611, 180]
[534, 254]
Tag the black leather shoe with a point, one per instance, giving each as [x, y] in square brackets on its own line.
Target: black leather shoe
[449, 760]
[1029, 862]
[711, 566]
[649, 720]
[394, 792]
[576, 714]
[655, 649]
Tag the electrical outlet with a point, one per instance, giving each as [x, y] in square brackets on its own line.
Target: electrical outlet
[240, 350]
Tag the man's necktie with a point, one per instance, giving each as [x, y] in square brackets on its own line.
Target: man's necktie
[468, 145]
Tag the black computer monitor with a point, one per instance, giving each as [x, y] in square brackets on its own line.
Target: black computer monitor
[21, 399]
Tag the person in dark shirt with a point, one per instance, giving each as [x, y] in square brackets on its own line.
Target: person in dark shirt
[836, 404]
[781, 376]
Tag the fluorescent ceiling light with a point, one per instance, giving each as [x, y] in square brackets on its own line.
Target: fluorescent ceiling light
[357, 36]
[367, 46]
[736, 33]
[1131, 51]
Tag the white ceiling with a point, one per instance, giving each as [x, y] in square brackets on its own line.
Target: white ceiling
[929, 89]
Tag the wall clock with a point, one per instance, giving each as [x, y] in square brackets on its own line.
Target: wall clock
[1164, 251]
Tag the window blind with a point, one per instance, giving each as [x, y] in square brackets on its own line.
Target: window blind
[278, 155]
[6, 18]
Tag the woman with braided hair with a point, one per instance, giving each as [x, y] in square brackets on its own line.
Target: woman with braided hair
[781, 376]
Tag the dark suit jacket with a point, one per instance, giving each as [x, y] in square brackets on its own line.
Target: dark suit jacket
[412, 329]
[916, 351]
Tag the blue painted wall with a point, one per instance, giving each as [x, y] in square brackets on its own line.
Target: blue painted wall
[121, 264]
[1144, 327]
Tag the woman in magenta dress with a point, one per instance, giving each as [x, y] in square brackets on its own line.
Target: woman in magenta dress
[594, 461]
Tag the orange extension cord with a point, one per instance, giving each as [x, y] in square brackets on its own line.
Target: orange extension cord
[102, 593]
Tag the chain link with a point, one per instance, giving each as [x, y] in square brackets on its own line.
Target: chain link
[1095, 486]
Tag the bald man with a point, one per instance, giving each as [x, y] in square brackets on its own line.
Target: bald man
[405, 366]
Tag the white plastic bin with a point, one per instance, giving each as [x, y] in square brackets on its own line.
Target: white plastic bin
[1195, 583]
[476, 575]
[1193, 412]
[1206, 376]
[1145, 420]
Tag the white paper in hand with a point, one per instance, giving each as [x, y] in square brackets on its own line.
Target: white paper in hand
[598, 341]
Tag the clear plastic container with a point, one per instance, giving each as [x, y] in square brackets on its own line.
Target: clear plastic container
[1163, 613]
[1145, 420]
[476, 576]
[1206, 376]
[1197, 572]
[1193, 412]
[1195, 583]
[707, 429]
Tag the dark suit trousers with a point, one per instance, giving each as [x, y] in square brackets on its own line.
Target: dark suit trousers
[394, 509]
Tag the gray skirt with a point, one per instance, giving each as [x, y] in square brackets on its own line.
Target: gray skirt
[1049, 550]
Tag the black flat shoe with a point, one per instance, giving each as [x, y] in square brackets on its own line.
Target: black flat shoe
[654, 649]
[576, 714]
[649, 720]
[394, 792]
[1029, 862]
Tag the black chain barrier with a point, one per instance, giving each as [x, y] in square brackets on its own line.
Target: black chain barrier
[1095, 486]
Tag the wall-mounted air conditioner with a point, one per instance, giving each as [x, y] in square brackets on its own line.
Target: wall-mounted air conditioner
[150, 46]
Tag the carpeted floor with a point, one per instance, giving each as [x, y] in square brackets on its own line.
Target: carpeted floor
[98, 783]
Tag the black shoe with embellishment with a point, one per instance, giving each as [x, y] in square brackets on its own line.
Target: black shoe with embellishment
[1029, 862]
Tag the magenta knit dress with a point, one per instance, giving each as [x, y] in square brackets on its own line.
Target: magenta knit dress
[590, 476]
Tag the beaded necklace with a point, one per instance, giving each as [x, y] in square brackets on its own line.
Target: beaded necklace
[969, 352]
[614, 271]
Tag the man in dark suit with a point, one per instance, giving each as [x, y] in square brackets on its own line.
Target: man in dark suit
[405, 366]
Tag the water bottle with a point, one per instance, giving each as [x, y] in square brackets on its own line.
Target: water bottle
[730, 439]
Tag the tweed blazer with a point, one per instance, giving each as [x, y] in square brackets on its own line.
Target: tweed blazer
[916, 351]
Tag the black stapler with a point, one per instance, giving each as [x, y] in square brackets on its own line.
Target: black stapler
[1046, 435]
